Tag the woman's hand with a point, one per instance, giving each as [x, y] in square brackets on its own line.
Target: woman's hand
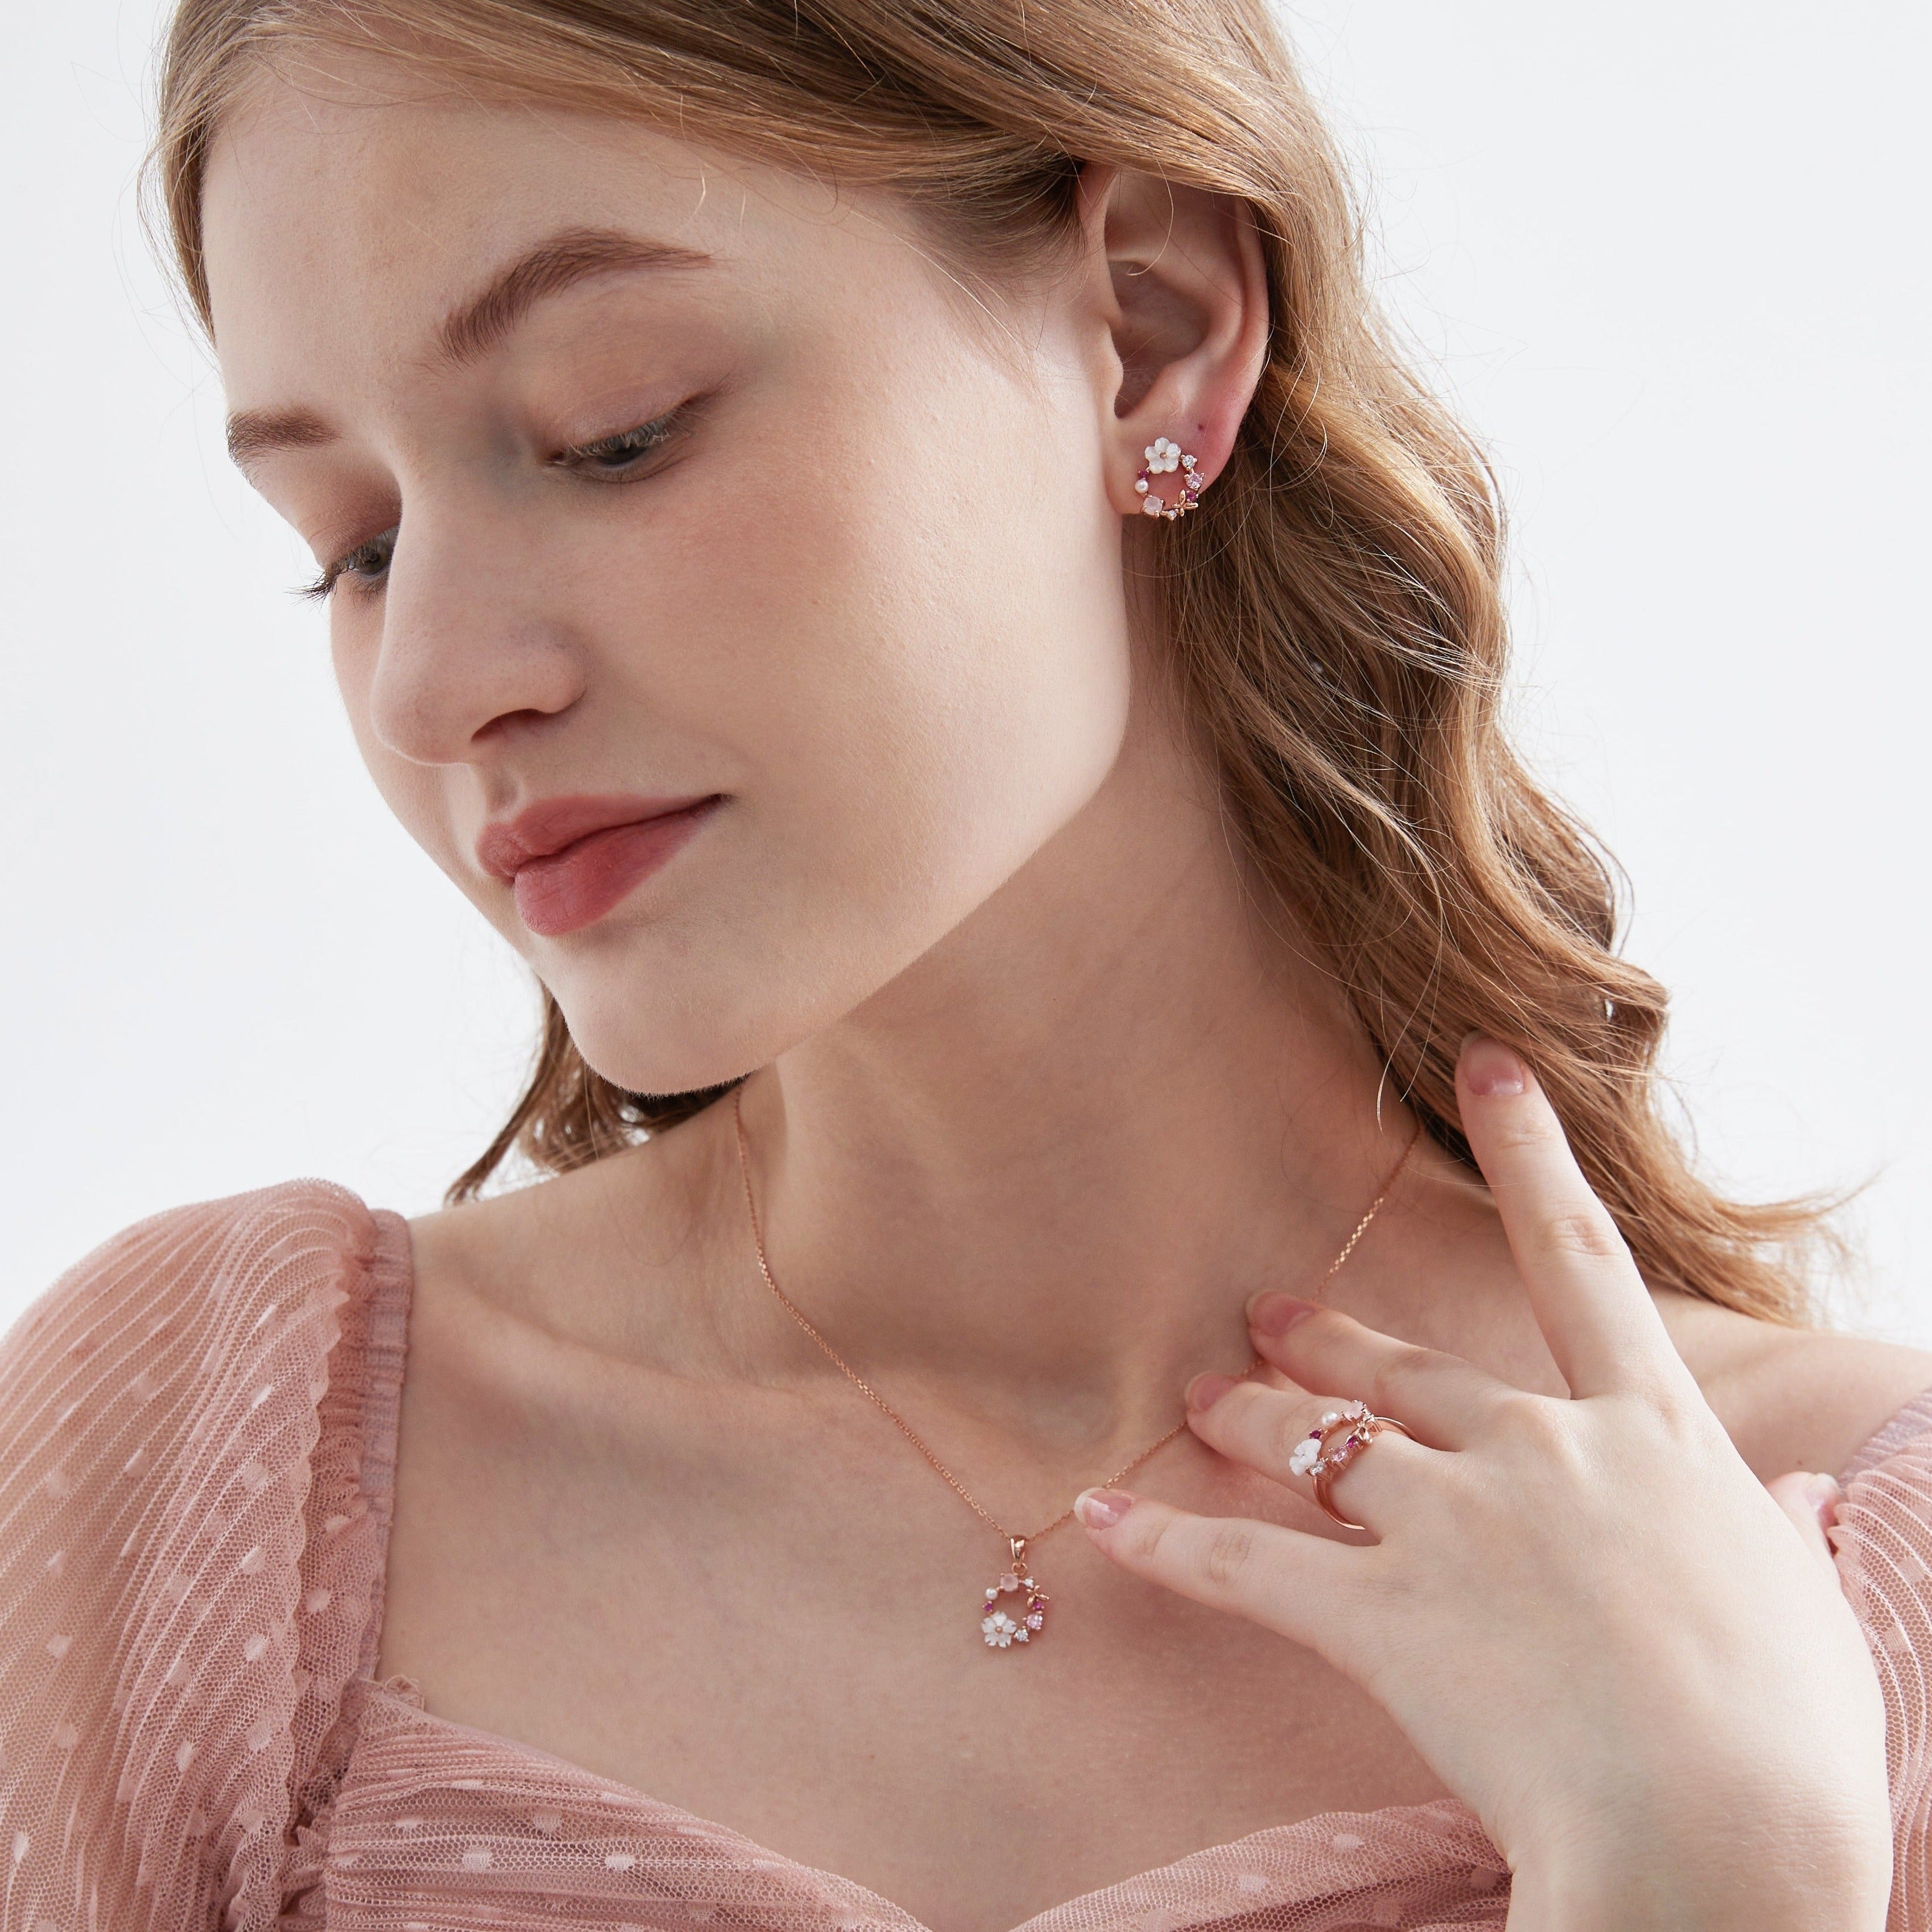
[1595, 1624]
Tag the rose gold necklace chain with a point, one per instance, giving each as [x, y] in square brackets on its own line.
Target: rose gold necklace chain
[1014, 1579]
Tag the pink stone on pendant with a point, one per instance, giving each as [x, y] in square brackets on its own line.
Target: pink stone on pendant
[1010, 1582]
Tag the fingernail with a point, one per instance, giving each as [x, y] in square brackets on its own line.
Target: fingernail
[1272, 1312]
[1101, 1509]
[1205, 1390]
[1490, 1068]
[1823, 1494]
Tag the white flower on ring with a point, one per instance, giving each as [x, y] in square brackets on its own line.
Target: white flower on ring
[1161, 454]
[1306, 1452]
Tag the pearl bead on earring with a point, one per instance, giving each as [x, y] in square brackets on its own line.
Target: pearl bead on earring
[1162, 456]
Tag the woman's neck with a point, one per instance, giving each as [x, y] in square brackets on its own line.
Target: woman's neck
[1038, 1176]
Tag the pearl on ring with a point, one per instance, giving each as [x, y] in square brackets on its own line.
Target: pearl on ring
[1357, 1425]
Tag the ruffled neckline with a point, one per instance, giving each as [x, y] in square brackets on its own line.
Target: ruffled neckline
[1343, 1860]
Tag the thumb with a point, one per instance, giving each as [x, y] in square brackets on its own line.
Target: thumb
[1811, 1502]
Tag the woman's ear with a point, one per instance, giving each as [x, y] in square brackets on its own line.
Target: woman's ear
[1183, 286]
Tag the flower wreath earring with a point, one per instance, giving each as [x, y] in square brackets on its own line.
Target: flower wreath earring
[1162, 456]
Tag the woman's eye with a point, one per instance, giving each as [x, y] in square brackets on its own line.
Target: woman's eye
[616, 455]
[367, 561]
[612, 458]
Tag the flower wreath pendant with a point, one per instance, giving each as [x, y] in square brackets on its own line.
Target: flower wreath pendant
[1002, 1628]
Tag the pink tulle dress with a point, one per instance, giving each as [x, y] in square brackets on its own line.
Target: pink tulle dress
[197, 1432]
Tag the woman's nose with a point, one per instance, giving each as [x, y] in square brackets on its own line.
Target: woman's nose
[467, 646]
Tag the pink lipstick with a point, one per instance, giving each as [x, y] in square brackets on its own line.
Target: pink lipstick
[571, 860]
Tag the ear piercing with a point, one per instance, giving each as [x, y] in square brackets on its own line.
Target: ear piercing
[1162, 456]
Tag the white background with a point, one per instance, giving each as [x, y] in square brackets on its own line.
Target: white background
[1671, 258]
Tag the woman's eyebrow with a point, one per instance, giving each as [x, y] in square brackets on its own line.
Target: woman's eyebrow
[561, 260]
[571, 255]
[254, 432]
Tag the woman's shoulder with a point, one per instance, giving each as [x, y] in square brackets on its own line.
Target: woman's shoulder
[202, 1258]
[183, 1418]
[1799, 1398]
[185, 1335]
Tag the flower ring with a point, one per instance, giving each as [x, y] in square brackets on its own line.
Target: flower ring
[1162, 456]
[1357, 1426]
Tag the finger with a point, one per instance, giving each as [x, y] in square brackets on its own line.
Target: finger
[1279, 1433]
[1811, 1502]
[1595, 1313]
[1443, 1399]
[1298, 1585]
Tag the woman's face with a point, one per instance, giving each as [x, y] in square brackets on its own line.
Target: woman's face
[679, 516]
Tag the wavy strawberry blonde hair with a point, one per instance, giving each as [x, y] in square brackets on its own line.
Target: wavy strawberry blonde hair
[1334, 609]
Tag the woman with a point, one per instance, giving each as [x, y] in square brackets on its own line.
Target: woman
[886, 552]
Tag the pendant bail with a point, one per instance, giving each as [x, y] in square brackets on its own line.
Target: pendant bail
[1018, 1546]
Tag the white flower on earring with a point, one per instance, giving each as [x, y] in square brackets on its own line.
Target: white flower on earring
[1161, 454]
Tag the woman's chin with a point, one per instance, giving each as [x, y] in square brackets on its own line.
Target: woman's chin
[649, 1023]
[677, 1047]
[641, 1069]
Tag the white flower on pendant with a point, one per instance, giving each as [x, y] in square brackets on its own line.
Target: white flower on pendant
[999, 1630]
[1161, 454]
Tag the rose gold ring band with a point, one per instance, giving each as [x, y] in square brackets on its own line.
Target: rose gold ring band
[1357, 1426]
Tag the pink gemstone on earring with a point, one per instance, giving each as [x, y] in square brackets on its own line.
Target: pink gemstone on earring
[1152, 505]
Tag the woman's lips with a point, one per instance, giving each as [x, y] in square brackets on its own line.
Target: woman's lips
[569, 885]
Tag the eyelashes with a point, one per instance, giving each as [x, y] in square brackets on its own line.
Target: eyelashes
[367, 560]
[612, 455]
[611, 459]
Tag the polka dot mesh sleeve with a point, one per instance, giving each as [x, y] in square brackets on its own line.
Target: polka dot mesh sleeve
[1883, 1542]
[183, 1590]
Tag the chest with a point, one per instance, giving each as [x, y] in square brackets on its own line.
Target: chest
[769, 1615]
